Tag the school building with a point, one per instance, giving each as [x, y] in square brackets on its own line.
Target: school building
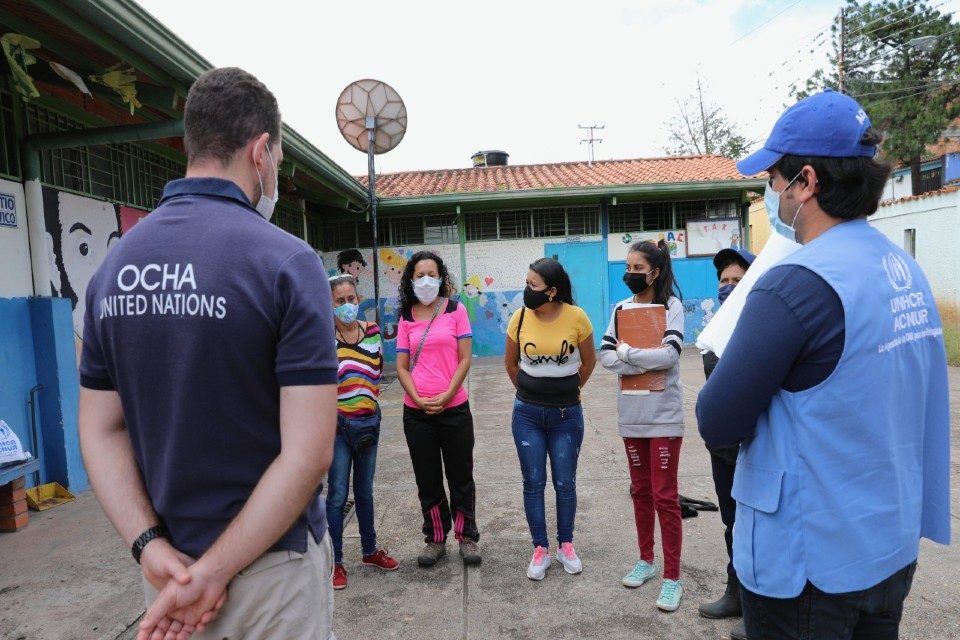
[91, 105]
[489, 222]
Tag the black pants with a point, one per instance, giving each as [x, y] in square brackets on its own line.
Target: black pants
[442, 444]
[871, 614]
[723, 462]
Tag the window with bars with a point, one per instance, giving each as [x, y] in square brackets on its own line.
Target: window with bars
[481, 226]
[546, 222]
[9, 156]
[125, 172]
[314, 233]
[688, 210]
[288, 218]
[641, 216]
[440, 229]
[722, 209]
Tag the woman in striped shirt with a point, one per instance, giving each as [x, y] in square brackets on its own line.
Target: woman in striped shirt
[360, 358]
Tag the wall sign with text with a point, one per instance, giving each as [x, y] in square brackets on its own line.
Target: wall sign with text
[707, 237]
[8, 210]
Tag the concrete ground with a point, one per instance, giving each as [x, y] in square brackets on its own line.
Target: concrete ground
[68, 577]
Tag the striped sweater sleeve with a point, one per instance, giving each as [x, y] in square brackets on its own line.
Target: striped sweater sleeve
[608, 351]
[667, 355]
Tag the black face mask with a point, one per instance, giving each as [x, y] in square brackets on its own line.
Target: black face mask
[534, 299]
[636, 282]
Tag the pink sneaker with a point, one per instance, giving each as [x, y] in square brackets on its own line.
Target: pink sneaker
[539, 564]
[568, 558]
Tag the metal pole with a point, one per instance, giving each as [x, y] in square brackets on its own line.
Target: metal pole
[841, 71]
[372, 184]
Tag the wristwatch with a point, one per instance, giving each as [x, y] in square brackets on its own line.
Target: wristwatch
[152, 533]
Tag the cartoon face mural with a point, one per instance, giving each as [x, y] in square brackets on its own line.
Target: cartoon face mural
[80, 231]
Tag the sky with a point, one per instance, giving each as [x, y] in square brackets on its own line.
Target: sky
[517, 75]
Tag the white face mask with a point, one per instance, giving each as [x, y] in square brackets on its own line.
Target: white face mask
[266, 205]
[426, 289]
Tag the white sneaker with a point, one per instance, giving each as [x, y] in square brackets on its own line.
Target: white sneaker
[568, 558]
[539, 564]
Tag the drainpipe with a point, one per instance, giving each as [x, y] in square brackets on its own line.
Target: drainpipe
[33, 193]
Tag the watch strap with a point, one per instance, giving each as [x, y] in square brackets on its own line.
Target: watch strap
[158, 531]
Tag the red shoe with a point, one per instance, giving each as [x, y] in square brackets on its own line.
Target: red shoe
[339, 577]
[382, 560]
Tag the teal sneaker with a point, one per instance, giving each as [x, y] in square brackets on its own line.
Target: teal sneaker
[670, 594]
[642, 572]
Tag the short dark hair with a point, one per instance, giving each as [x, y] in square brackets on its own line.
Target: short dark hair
[729, 259]
[225, 108]
[849, 187]
[554, 275]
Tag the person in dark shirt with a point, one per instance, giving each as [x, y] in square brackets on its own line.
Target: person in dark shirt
[731, 266]
[209, 388]
[834, 383]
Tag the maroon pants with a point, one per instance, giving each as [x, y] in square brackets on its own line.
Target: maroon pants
[653, 485]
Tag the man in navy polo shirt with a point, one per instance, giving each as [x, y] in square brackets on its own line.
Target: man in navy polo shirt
[835, 383]
[209, 378]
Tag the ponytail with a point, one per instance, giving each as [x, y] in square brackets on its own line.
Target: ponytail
[658, 257]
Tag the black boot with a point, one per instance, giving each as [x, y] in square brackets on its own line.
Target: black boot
[728, 606]
[739, 632]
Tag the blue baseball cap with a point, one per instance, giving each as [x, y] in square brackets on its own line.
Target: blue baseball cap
[729, 256]
[828, 124]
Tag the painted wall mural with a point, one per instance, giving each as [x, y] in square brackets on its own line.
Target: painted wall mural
[618, 243]
[79, 233]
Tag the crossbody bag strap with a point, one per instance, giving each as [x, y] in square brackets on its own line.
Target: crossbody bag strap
[523, 310]
[423, 338]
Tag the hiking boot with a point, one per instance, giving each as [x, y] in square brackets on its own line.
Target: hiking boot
[739, 632]
[339, 577]
[728, 605]
[671, 591]
[539, 564]
[642, 572]
[470, 552]
[568, 558]
[431, 552]
[381, 560]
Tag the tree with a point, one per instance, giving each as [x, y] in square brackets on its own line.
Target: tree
[701, 129]
[901, 61]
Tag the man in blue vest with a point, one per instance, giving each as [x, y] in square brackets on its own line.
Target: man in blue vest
[835, 385]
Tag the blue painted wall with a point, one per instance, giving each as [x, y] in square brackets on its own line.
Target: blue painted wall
[56, 367]
[17, 369]
[698, 284]
[38, 348]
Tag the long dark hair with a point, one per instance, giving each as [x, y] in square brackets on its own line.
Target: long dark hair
[554, 275]
[658, 257]
[406, 296]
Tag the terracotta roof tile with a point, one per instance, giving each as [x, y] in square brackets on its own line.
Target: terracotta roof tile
[950, 188]
[558, 175]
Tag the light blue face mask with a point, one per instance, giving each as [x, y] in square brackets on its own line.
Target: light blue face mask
[771, 200]
[347, 312]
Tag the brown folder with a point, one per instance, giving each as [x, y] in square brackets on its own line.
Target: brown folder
[643, 328]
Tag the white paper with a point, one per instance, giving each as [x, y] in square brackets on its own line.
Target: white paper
[717, 333]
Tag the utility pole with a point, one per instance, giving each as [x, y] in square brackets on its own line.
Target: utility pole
[591, 139]
[703, 119]
[841, 71]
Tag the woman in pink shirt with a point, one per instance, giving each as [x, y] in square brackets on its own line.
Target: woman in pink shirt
[434, 344]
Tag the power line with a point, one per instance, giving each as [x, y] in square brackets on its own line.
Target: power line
[908, 27]
[898, 99]
[892, 13]
[765, 22]
[911, 88]
[896, 49]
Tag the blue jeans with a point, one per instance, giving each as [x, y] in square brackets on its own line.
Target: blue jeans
[871, 614]
[537, 431]
[338, 486]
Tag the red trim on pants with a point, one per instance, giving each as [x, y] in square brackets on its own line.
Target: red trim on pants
[653, 464]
